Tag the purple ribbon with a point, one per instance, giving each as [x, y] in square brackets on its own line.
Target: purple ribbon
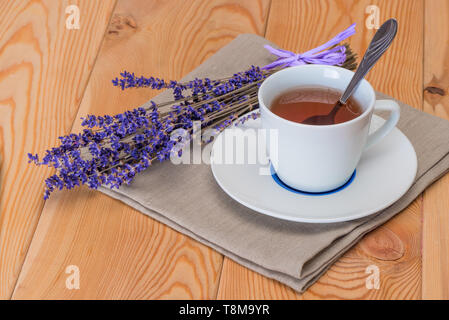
[334, 56]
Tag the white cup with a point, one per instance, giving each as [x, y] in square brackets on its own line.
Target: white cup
[317, 158]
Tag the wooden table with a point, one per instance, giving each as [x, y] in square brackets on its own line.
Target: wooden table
[50, 76]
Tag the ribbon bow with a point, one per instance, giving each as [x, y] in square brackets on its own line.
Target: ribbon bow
[334, 56]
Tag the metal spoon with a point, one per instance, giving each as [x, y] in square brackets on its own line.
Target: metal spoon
[379, 44]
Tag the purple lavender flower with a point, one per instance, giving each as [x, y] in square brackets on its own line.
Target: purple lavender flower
[112, 150]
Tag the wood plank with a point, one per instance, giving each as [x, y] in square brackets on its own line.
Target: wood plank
[299, 26]
[238, 282]
[120, 252]
[44, 70]
[435, 201]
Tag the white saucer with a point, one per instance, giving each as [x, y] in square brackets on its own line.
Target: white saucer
[385, 172]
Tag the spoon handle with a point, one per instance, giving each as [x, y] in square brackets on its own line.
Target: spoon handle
[379, 44]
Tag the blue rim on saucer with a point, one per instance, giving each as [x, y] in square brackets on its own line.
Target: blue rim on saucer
[287, 187]
[384, 174]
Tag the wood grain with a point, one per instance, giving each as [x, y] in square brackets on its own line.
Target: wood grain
[120, 252]
[44, 69]
[435, 244]
[307, 24]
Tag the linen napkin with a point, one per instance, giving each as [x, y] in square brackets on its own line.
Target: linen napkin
[187, 198]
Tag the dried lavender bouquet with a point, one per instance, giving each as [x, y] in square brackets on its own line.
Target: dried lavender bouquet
[111, 150]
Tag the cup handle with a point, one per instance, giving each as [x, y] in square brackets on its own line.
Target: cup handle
[379, 134]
